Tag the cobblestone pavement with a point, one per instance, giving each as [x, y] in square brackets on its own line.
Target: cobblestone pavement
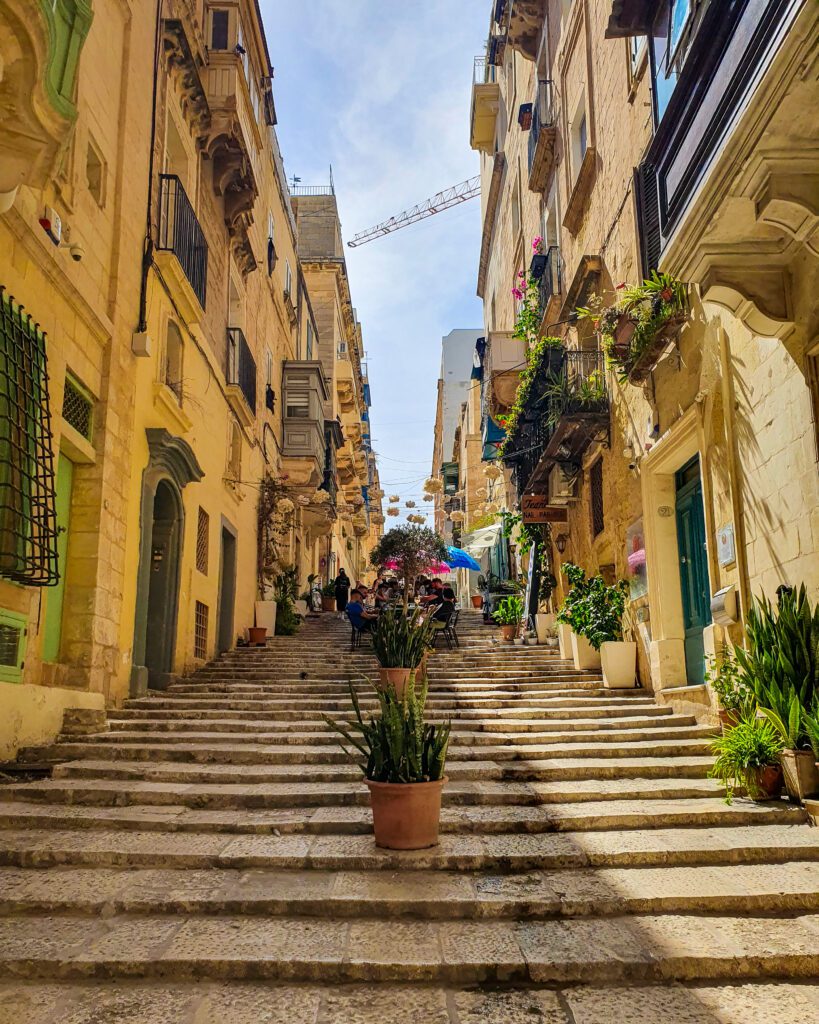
[208, 859]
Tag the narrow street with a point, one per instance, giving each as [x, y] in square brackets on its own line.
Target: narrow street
[214, 839]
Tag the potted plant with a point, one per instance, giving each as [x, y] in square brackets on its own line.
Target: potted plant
[477, 600]
[328, 596]
[403, 760]
[400, 643]
[285, 590]
[727, 681]
[274, 514]
[781, 666]
[409, 550]
[574, 613]
[605, 608]
[257, 636]
[508, 616]
[748, 756]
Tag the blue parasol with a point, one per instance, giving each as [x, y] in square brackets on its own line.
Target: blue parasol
[457, 558]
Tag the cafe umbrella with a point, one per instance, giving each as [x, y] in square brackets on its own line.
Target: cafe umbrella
[457, 558]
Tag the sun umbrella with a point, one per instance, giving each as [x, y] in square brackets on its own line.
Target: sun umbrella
[457, 558]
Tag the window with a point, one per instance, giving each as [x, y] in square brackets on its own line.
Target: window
[578, 133]
[78, 408]
[202, 540]
[663, 68]
[13, 630]
[298, 406]
[95, 173]
[268, 368]
[288, 279]
[271, 245]
[172, 366]
[516, 210]
[28, 523]
[235, 454]
[636, 49]
[200, 631]
[596, 486]
[309, 340]
[219, 25]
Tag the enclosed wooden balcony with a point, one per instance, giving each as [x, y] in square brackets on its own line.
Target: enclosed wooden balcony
[303, 426]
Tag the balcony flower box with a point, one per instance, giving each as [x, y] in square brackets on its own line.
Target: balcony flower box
[644, 362]
[538, 265]
[525, 116]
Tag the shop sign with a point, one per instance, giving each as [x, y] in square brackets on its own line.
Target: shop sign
[536, 509]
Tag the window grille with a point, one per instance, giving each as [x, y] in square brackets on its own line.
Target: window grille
[200, 631]
[28, 523]
[202, 535]
[77, 409]
[596, 482]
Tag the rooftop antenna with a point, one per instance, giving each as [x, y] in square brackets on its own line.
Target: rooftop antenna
[295, 180]
[332, 183]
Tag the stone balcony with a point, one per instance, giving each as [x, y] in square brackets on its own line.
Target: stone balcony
[485, 105]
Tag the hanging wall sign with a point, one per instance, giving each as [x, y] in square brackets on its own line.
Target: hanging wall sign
[536, 509]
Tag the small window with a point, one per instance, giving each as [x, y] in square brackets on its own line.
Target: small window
[13, 630]
[172, 368]
[235, 454]
[516, 210]
[202, 541]
[288, 279]
[309, 340]
[636, 51]
[78, 408]
[95, 173]
[200, 631]
[268, 368]
[298, 407]
[579, 139]
[219, 24]
[596, 486]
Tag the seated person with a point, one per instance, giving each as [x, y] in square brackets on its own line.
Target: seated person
[443, 613]
[383, 596]
[434, 597]
[359, 617]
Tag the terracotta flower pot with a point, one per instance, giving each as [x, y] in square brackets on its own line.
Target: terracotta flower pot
[406, 815]
[509, 632]
[256, 635]
[728, 719]
[477, 601]
[801, 774]
[328, 604]
[395, 677]
[767, 783]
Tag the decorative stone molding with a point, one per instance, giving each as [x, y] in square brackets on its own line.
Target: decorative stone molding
[174, 455]
[183, 65]
[760, 298]
[789, 201]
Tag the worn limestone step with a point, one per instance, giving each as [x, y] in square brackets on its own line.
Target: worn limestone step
[123, 793]
[650, 947]
[226, 749]
[314, 730]
[237, 1002]
[370, 701]
[689, 809]
[746, 844]
[602, 892]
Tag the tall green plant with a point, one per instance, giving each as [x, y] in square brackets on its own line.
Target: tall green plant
[741, 752]
[400, 641]
[593, 608]
[396, 745]
[410, 550]
[509, 611]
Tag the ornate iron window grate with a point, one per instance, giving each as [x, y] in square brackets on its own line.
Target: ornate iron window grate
[28, 523]
[596, 482]
[202, 534]
[200, 631]
[78, 410]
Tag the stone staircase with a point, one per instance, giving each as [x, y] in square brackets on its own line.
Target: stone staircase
[208, 858]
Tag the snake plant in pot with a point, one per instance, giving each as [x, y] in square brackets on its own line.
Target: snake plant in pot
[508, 616]
[403, 760]
[400, 643]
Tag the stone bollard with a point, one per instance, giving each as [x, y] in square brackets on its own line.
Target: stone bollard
[84, 721]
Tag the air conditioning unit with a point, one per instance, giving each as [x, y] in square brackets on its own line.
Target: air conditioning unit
[562, 485]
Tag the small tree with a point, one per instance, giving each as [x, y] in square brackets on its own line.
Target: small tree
[410, 549]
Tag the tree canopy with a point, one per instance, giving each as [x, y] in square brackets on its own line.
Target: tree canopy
[410, 550]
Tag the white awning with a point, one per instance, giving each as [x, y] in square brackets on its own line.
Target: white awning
[478, 541]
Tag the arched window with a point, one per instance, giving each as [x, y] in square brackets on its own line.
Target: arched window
[172, 368]
[234, 467]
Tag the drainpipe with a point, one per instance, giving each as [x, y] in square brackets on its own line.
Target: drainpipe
[728, 403]
[148, 246]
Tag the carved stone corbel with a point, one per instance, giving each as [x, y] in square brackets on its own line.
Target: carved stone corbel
[760, 298]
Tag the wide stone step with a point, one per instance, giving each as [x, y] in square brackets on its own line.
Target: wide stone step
[691, 808]
[641, 763]
[238, 1002]
[751, 844]
[602, 892]
[225, 750]
[650, 947]
[449, 702]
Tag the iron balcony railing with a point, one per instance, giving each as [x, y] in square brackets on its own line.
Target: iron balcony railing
[483, 72]
[241, 366]
[549, 283]
[312, 190]
[543, 115]
[181, 234]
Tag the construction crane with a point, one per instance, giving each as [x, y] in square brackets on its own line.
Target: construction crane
[442, 201]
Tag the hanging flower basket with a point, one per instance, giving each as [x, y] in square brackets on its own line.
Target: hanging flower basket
[644, 363]
[492, 472]
[392, 511]
[433, 485]
[409, 504]
[394, 498]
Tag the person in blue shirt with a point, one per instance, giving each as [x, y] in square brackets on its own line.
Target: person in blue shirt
[356, 613]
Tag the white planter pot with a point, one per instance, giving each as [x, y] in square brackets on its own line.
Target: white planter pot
[544, 621]
[266, 616]
[619, 662]
[586, 658]
[564, 640]
[300, 607]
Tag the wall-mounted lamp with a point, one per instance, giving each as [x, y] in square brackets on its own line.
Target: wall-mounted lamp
[561, 540]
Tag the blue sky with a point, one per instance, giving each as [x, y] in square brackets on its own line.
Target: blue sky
[380, 89]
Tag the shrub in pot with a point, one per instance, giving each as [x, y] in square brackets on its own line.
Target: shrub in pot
[400, 643]
[748, 757]
[728, 683]
[403, 760]
[781, 667]
[595, 612]
[508, 616]
[328, 596]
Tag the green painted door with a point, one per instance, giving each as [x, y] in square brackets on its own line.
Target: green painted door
[693, 568]
[56, 594]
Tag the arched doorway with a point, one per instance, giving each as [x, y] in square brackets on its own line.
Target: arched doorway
[163, 583]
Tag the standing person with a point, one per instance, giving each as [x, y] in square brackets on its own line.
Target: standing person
[342, 590]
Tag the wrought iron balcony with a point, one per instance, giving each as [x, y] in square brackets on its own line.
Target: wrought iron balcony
[549, 284]
[181, 234]
[241, 366]
[542, 137]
